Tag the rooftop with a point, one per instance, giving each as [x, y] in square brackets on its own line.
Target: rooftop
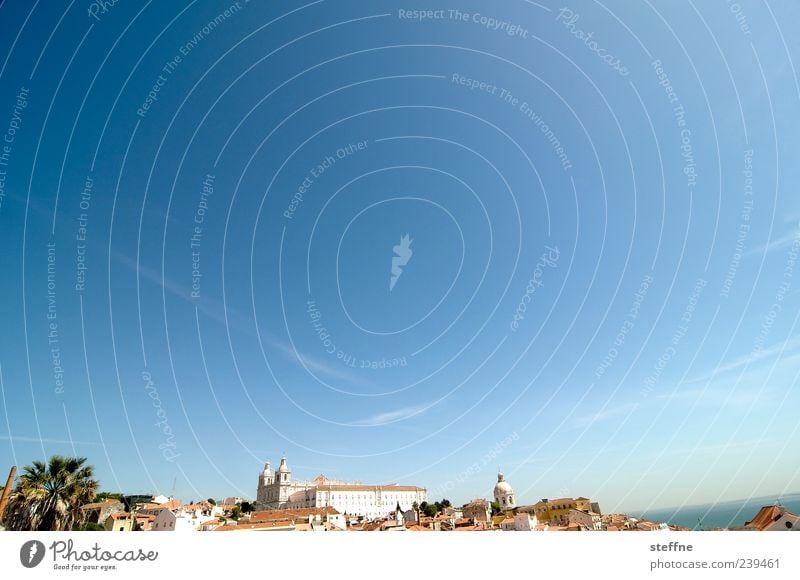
[765, 517]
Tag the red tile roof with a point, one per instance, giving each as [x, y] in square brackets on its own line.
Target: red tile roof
[299, 513]
[256, 526]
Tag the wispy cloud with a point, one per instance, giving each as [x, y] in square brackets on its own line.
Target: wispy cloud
[786, 349]
[240, 323]
[776, 244]
[744, 396]
[605, 414]
[390, 416]
[317, 364]
[24, 439]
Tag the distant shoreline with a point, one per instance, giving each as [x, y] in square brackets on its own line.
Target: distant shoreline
[770, 498]
[725, 514]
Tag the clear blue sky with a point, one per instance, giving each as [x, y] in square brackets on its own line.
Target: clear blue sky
[601, 296]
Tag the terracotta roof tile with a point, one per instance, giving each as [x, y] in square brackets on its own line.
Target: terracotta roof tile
[254, 526]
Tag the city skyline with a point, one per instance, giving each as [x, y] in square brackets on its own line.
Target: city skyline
[404, 245]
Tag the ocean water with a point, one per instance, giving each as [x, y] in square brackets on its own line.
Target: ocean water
[722, 515]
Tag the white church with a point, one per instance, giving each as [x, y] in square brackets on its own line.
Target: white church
[504, 493]
[278, 491]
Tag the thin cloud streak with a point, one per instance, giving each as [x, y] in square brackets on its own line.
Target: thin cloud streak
[24, 439]
[390, 416]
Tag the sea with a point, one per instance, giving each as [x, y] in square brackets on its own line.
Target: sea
[728, 514]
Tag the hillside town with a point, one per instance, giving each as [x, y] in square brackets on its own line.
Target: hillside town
[322, 504]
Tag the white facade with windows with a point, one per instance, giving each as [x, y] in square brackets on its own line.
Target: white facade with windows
[278, 491]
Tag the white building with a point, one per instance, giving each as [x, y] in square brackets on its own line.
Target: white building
[181, 519]
[507, 525]
[525, 523]
[773, 519]
[504, 494]
[278, 491]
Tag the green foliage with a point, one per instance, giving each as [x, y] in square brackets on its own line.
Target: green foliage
[104, 495]
[48, 497]
[429, 509]
[440, 505]
[91, 527]
[236, 512]
[212, 501]
[247, 507]
[496, 510]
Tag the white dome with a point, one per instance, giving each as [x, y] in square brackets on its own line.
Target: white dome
[503, 492]
[503, 488]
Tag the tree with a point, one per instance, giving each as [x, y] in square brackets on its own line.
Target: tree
[236, 512]
[212, 501]
[247, 507]
[429, 509]
[495, 508]
[104, 495]
[49, 497]
[91, 527]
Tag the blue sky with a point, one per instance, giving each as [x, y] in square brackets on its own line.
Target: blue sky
[601, 297]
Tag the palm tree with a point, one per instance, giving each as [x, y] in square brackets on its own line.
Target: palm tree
[49, 497]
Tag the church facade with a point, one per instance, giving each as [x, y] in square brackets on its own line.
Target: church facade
[277, 490]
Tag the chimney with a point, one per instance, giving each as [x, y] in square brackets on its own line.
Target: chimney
[7, 490]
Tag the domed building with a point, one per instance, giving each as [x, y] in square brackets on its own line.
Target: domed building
[504, 493]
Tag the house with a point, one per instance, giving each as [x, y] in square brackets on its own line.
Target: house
[99, 512]
[507, 525]
[588, 520]
[526, 523]
[204, 509]
[774, 518]
[144, 521]
[618, 521]
[478, 510]
[210, 525]
[120, 522]
[275, 525]
[164, 522]
[311, 519]
[455, 512]
[651, 526]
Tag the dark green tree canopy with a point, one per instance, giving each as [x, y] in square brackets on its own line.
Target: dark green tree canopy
[48, 497]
